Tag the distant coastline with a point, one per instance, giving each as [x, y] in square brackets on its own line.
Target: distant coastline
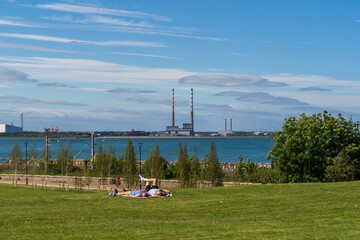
[135, 137]
[129, 134]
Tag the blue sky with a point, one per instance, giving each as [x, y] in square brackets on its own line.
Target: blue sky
[111, 65]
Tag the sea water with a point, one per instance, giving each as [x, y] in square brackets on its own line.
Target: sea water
[228, 148]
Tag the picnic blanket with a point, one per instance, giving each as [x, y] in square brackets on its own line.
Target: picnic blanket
[112, 194]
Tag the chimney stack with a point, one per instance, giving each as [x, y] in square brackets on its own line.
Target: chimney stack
[22, 121]
[230, 124]
[225, 125]
[192, 111]
[173, 109]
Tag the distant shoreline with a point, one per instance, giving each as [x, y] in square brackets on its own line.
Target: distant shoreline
[183, 137]
[164, 137]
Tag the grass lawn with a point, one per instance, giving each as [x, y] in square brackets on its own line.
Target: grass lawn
[286, 211]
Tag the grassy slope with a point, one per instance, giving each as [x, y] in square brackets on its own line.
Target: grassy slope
[292, 211]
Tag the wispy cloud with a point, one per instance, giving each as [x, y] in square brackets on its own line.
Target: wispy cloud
[166, 33]
[144, 55]
[227, 80]
[129, 90]
[313, 109]
[102, 11]
[114, 110]
[319, 89]
[13, 75]
[24, 100]
[86, 70]
[99, 19]
[261, 97]
[158, 100]
[67, 40]
[54, 85]
[143, 27]
[301, 80]
[32, 47]
[228, 109]
[149, 100]
[15, 23]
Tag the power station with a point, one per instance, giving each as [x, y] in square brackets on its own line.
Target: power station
[227, 132]
[187, 128]
[6, 128]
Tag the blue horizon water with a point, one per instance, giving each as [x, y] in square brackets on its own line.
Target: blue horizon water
[228, 149]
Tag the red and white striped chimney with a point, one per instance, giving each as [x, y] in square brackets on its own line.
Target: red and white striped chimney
[192, 111]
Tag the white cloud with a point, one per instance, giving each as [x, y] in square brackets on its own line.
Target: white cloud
[93, 89]
[67, 40]
[143, 27]
[85, 70]
[144, 55]
[15, 23]
[32, 47]
[166, 33]
[24, 100]
[261, 97]
[302, 80]
[149, 100]
[329, 99]
[100, 19]
[230, 80]
[54, 85]
[102, 11]
[129, 90]
[319, 89]
[10, 74]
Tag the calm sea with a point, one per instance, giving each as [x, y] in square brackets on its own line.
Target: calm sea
[228, 149]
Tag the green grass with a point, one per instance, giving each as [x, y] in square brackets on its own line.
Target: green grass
[287, 211]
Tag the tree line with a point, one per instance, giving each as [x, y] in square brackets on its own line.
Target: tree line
[188, 169]
[314, 148]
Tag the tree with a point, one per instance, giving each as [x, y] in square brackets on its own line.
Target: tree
[46, 156]
[118, 163]
[16, 157]
[341, 170]
[110, 159]
[314, 140]
[212, 169]
[195, 170]
[101, 164]
[251, 171]
[155, 164]
[33, 158]
[183, 166]
[130, 169]
[240, 170]
[64, 158]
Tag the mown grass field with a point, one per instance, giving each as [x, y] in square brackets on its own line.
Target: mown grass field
[286, 211]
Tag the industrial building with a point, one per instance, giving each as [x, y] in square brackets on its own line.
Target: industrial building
[227, 132]
[187, 128]
[6, 128]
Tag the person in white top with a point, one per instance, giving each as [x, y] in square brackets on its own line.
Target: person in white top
[153, 189]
